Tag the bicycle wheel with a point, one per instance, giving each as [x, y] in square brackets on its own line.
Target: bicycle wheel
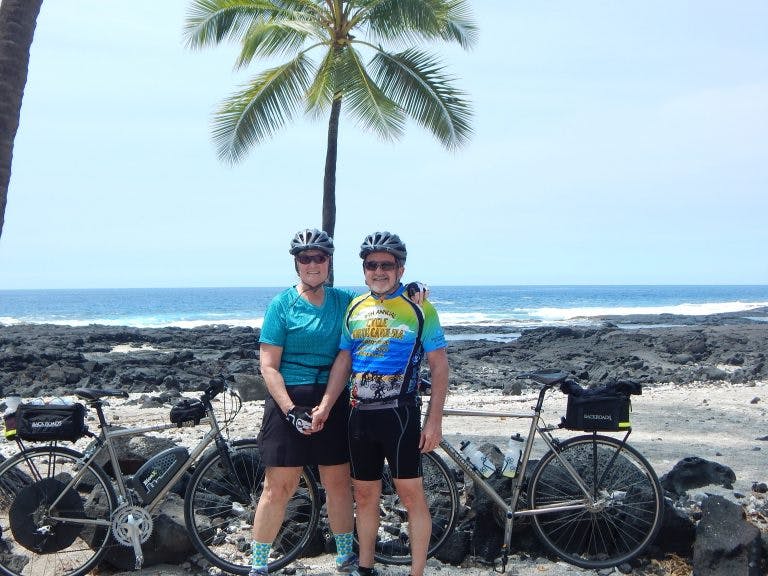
[47, 526]
[220, 503]
[627, 512]
[393, 543]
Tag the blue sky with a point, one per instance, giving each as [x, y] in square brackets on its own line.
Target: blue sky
[615, 143]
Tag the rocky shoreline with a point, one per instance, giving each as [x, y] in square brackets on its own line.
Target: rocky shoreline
[52, 360]
[663, 352]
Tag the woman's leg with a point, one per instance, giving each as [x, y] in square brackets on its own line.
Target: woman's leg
[338, 490]
[280, 484]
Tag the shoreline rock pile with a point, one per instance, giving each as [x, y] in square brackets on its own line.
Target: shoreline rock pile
[51, 360]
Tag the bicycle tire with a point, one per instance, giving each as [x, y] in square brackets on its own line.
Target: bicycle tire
[31, 543]
[219, 521]
[613, 532]
[393, 543]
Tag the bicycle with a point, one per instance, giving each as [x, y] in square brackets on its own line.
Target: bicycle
[60, 512]
[593, 500]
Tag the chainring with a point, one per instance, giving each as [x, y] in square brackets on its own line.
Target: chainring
[121, 529]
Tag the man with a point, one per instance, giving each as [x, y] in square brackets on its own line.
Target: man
[384, 337]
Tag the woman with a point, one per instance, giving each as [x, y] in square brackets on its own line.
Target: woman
[298, 344]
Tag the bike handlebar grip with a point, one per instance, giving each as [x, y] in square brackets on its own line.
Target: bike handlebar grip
[215, 387]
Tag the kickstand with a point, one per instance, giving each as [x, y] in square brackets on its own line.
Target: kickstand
[501, 566]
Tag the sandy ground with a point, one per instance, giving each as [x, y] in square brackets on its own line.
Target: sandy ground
[717, 422]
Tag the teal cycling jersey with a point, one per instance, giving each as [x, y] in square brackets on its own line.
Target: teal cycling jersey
[308, 334]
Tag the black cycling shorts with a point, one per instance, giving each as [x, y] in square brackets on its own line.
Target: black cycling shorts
[388, 433]
[281, 444]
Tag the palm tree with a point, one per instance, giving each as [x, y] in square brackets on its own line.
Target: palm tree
[379, 94]
[18, 19]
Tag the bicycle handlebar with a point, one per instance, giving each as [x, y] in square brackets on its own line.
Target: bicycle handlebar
[215, 387]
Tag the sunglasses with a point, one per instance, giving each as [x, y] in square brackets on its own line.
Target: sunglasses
[316, 258]
[372, 266]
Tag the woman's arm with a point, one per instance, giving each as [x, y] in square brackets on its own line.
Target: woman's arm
[269, 361]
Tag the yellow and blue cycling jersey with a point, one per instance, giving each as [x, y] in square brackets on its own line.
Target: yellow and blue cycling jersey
[387, 339]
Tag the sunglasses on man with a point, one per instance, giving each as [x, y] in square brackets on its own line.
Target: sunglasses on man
[372, 266]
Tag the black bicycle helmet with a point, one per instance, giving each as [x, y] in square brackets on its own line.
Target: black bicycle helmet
[311, 239]
[383, 242]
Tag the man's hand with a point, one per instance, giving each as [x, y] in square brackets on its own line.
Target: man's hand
[300, 419]
[431, 435]
[320, 414]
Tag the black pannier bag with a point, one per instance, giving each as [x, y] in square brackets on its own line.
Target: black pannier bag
[606, 408]
[187, 412]
[47, 422]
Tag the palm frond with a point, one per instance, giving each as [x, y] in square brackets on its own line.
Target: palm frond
[416, 82]
[364, 100]
[309, 7]
[210, 22]
[275, 37]
[320, 94]
[255, 113]
[459, 25]
[418, 20]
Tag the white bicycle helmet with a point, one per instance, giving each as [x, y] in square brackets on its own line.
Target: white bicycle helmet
[311, 239]
[384, 242]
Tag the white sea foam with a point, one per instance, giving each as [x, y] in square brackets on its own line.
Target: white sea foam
[141, 322]
[483, 319]
[682, 309]
[250, 322]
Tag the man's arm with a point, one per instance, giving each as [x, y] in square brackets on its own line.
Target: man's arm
[337, 380]
[432, 432]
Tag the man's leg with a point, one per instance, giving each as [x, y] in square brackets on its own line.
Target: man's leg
[367, 494]
[411, 493]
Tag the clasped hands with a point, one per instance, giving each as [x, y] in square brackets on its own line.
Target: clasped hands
[306, 420]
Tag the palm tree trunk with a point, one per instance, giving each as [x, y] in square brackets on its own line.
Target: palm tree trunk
[329, 181]
[18, 19]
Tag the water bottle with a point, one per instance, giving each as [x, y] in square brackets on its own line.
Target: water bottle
[9, 416]
[512, 456]
[480, 461]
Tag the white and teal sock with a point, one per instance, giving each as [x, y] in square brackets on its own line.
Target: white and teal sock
[344, 543]
[260, 553]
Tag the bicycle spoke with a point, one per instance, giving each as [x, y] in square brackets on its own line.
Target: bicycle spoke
[40, 512]
[220, 518]
[625, 515]
[393, 544]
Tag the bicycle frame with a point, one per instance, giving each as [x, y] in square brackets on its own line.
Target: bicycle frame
[535, 430]
[105, 441]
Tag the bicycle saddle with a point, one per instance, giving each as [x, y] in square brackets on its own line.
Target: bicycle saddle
[94, 394]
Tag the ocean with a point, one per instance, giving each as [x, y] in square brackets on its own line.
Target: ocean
[511, 307]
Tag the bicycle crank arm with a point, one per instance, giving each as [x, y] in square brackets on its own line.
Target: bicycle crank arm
[133, 530]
